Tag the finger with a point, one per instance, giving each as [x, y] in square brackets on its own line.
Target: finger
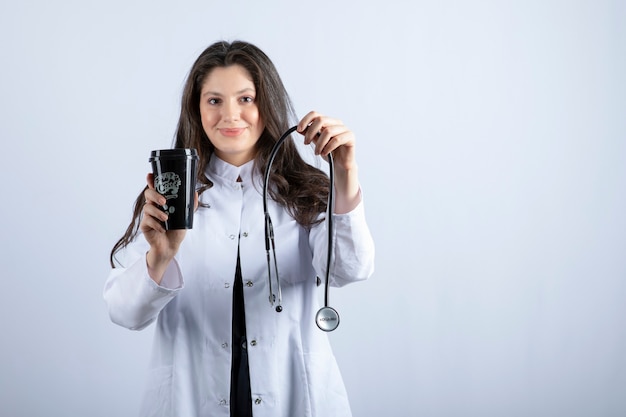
[306, 121]
[322, 129]
[150, 210]
[151, 225]
[331, 138]
[196, 200]
[153, 219]
[312, 131]
[150, 180]
[312, 125]
[341, 151]
[153, 197]
[313, 137]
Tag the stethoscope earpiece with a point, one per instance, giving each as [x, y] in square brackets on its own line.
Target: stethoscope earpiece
[327, 318]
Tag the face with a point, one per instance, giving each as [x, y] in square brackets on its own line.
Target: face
[230, 115]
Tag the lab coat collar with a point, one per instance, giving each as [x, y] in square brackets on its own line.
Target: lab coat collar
[227, 173]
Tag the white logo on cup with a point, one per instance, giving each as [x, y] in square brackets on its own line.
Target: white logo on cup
[167, 184]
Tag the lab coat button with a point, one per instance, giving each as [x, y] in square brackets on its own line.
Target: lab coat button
[245, 234]
[231, 237]
[257, 401]
[222, 402]
[253, 343]
[249, 283]
[226, 285]
[225, 345]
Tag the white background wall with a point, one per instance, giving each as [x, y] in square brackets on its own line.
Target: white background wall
[493, 158]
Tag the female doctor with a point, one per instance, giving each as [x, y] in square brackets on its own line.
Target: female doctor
[220, 348]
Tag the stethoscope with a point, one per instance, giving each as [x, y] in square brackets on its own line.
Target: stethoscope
[327, 318]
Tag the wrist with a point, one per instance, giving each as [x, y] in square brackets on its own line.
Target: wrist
[157, 265]
[347, 190]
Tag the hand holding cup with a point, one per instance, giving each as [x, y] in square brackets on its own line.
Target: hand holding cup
[170, 202]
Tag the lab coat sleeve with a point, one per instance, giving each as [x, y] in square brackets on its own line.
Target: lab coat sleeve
[133, 298]
[353, 248]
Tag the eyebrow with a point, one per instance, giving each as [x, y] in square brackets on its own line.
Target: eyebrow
[215, 93]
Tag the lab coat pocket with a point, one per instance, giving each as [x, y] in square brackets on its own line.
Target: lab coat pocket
[157, 400]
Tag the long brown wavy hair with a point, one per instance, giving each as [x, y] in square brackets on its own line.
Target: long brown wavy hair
[299, 187]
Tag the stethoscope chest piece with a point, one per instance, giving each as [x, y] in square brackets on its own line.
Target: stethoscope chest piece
[327, 319]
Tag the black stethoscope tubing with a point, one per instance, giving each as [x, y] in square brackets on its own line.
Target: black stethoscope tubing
[327, 318]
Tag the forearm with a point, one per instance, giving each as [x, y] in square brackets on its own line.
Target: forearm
[347, 191]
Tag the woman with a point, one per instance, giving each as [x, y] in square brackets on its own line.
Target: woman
[220, 348]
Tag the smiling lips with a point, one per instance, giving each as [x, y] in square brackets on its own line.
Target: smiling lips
[232, 132]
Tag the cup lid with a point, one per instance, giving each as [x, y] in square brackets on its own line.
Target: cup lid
[173, 153]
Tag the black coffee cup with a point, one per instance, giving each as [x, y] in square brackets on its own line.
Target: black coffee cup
[175, 178]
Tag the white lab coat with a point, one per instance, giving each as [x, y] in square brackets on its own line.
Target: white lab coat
[292, 369]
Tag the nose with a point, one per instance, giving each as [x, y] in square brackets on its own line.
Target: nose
[231, 111]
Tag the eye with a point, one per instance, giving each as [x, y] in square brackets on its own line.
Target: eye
[214, 101]
[247, 99]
